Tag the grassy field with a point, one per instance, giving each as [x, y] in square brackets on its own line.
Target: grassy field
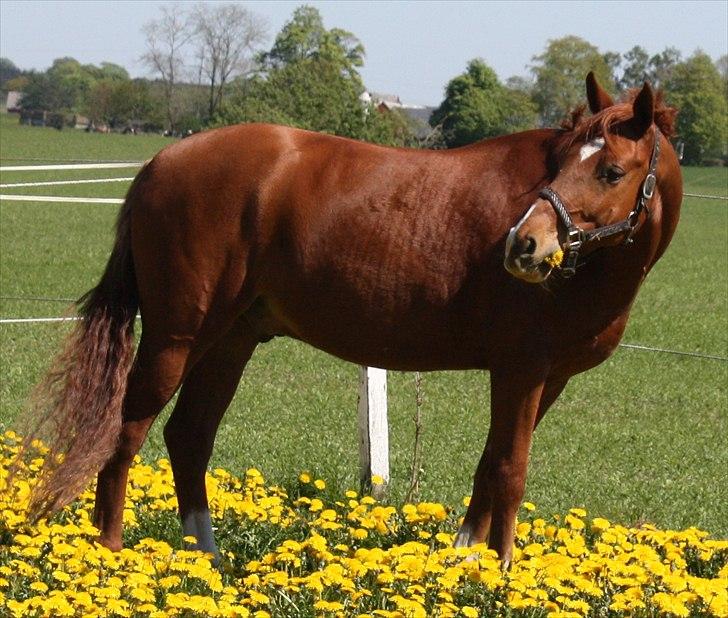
[644, 437]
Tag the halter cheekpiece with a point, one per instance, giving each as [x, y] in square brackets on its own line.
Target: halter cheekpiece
[576, 237]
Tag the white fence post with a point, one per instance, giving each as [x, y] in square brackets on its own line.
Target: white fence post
[373, 430]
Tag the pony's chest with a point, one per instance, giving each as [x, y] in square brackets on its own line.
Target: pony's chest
[586, 348]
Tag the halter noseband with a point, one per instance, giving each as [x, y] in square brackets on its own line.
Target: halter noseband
[576, 238]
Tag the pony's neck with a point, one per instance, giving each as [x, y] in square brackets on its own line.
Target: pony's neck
[607, 285]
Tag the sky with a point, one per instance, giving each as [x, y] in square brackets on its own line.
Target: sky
[413, 48]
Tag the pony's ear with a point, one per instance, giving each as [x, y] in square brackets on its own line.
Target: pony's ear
[643, 109]
[596, 95]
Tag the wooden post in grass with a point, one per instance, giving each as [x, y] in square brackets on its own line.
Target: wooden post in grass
[373, 430]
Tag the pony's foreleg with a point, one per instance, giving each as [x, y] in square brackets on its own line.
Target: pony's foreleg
[515, 397]
[154, 379]
[190, 431]
[501, 475]
[476, 523]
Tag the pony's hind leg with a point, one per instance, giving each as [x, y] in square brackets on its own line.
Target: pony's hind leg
[190, 431]
[156, 374]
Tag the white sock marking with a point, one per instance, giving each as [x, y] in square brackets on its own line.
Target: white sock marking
[464, 537]
[199, 525]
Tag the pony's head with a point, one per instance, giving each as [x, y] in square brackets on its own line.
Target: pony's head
[601, 193]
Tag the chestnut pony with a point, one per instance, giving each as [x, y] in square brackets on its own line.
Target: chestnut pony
[385, 257]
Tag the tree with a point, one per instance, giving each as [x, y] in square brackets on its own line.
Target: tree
[72, 82]
[8, 71]
[310, 94]
[520, 83]
[304, 37]
[640, 67]
[662, 66]
[560, 73]
[722, 65]
[313, 94]
[18, 83]
[109, 70]
[63, 87]
[309, 80]
[40, 93]
[226, 36]
[166, 39]
[477, 106]
[697, 90]
[637, 69]
[519, 112]
[118, 102]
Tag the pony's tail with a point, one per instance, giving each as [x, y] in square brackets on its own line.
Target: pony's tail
[77, 408]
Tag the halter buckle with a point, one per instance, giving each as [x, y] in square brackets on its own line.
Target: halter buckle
[574, 239]
[648, 186]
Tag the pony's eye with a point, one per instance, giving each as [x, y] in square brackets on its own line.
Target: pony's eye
[612, 174]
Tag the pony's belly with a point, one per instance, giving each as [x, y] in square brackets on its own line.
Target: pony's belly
[423, 341]
[431, 354]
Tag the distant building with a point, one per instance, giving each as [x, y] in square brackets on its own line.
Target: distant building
[385, 102]
[419, 114]
[12, 102]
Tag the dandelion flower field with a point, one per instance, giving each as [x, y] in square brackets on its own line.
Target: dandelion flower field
[303, 553]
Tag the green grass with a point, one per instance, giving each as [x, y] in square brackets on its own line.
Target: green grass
[29, 144]
[643, 437]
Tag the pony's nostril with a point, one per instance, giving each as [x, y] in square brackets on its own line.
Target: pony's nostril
[530, 248]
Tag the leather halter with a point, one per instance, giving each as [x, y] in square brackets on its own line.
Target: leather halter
[576, 237]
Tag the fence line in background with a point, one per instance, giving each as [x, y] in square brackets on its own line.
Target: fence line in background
[71, 166]
[49, 183]
[44, 299]
[706, 197]
[70, 318]
[50, 159]
[133, 164]
[50, 198]
[631, 346]
[104, 200]
[635, 346]
[37, 320]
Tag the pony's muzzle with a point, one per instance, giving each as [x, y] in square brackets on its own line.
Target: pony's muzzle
[530, 246]
[519, 258]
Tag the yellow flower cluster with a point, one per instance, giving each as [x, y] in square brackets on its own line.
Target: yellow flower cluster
[301, 553]
[555, 258]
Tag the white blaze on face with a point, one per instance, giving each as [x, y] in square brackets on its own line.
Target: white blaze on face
[591, 148]
[516, 227]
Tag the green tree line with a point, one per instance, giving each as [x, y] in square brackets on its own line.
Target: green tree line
[209, 69]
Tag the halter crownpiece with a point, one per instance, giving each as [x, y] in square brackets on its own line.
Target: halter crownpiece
[576, 237]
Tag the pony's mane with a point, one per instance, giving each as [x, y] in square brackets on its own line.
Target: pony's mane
[580, 128]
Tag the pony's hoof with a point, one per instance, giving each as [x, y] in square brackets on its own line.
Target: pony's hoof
[112, 544]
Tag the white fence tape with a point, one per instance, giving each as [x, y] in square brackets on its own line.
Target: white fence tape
[73, 166]
[49, 183]
[35, 320]
[50, 198]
